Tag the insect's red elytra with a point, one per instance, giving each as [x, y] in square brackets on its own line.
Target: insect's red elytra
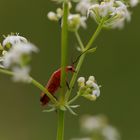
[53, 84]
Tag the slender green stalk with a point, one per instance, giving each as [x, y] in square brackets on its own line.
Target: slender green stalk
[41, 87]
[74, 77]
[79, 40]
[94, 36]
[7, 72]
[34, 82]
[64, 49]
[73, 99]
[64, 52]
[60, 128]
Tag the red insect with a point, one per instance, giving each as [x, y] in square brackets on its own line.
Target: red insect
[53, 84]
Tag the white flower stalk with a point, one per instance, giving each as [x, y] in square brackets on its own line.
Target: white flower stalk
[98, 127]
[88, 89]
[113, 12]
[89, 124]
[21, 74]
[134, 3]
[83, 6]
[13, 40]
[15, 54]
[75, 21]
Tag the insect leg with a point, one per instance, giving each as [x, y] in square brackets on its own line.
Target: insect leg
[67, 84]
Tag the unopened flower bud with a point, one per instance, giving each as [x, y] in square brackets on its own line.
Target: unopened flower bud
[89, 83]
[81, 80]
[52, 16]
[92, 78]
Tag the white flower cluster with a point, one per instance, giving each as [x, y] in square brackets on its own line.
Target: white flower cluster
[112, 13]
[88, 89]
[15, 55]
[98, 127]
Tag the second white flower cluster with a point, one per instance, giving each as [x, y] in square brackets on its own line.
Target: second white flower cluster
[88, 89]
[15, 55]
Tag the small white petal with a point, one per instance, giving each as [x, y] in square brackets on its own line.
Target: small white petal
[89, 83]
[13, 40]
[52, 16]
[16, 52]
[96, 90]
[92, 78]
[81, 80]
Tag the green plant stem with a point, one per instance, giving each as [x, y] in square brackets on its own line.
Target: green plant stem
[34, 82]
[80, 62]
[79, 41]
[60, 128]
[41, 87]
[94, 36]
[73, 99]
[64, 49]
[64, 52]
[7, 72]
[78, 67]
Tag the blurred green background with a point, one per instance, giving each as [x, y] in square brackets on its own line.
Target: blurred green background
[115, 64]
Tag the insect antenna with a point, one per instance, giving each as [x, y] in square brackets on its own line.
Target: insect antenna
[76, 60]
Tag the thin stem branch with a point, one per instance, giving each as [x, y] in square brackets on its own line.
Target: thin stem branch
[41, 87]
[78, 67]
[73, 99]
[34, 82]
[7, 72]
[94, 36]
[60, 128]
[79, 41]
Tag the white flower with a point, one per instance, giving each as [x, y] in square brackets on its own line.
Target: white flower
[13, 56]
[83, 6]
[81, 80]
[88, 89]
[21, 74]
[112, 12]
[75, 21]
[96, 90]
[110, 133]
[89, 124]
[52, 16]
[13, 40]
[134, 3]
[92, 78]
[89, 83]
